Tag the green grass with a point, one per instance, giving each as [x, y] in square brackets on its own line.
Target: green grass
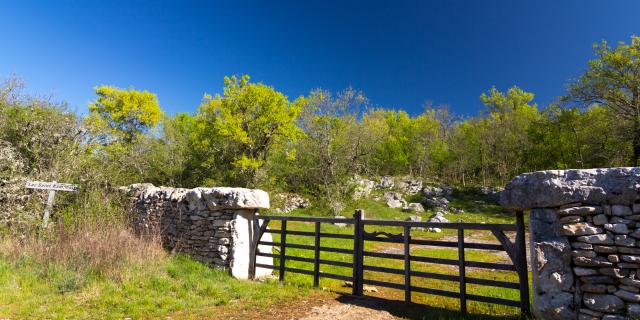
[176, 287]
[180, 288]
[475, 211]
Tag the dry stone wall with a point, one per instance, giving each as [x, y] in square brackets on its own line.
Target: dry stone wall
[213, 225]
[585, 241]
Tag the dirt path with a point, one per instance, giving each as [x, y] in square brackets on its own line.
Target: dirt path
[355, 309]
[316, 306]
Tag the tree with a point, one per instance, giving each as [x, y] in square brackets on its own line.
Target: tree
[125, 113]
[613, 81]
[242, 126]
[500, 138]
[328, 151]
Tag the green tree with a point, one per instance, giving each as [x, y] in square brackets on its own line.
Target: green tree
[331, 148]
[124, 113]
[496, 147]
[242, 126]
[613, 81]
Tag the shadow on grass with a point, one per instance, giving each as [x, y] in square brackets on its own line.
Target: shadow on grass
[412, 310]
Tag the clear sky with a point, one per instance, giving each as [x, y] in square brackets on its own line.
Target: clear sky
[400, 53]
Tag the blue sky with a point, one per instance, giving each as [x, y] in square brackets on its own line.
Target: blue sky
[400, 53]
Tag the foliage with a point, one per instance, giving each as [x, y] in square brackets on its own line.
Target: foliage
[613, 81]
[124, 112]
[239, 129]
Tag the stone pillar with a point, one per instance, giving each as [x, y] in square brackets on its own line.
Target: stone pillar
[244, 234]
[584, 228]
[213, 225]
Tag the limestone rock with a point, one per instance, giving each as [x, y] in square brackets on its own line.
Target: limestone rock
[630, 282]
[386, 182]
[413, 207]
[234, 198]
[491, 192]
[619, 228]
[558, 187]
[578, 211]
[605, 249]
[596, 239]
[581, 245]
[340, 224]
[437, 202]
[600, 219]
[631, 259]
[362, 187]
[603, 302]
[591, 262]
[621, 210]
[556, 305]
[628, 296]
[409, 186]
[580, 271]
[414, 219]
[394, 200]
[633, 311]
[430, 192]
[624, 241]
[580, 229]
[594, 288]
[571, 219]
[290, 201]
[437, 217]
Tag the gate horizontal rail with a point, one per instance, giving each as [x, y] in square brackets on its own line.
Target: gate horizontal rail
[514, 249]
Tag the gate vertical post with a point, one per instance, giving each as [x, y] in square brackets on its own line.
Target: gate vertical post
[253, 250]
[357, 253]
[283, 246]
[316, 257]
[521, 254]
[407, 264]
[462, 272]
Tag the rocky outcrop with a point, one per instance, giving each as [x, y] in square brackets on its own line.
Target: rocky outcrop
[439, 218]
[413, 207]
[435, 197]
[431, 192]
[490, 192]
[437, 203]
[289, 202]
[212, 225]
[584, 226]
[409, 186]
[386, 182]
[362, 187]
[394, 200]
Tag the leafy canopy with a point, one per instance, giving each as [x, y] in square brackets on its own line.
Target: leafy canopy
[125, 112]
[613, 81]
[245, 123]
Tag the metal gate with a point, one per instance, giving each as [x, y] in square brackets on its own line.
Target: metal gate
[514, 249]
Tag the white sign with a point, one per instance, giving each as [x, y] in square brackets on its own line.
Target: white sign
[52, 186]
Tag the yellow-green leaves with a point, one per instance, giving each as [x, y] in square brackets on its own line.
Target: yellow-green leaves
[245, 123]
[498, 102]
[125, 112]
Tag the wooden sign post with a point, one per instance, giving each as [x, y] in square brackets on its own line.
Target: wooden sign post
[52, 187]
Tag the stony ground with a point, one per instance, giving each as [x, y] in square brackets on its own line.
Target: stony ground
[355, 309]
[317, 306]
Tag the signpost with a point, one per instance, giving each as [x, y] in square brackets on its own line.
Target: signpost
[52, 187]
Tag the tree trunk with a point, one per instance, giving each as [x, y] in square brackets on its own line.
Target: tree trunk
[636, 142]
